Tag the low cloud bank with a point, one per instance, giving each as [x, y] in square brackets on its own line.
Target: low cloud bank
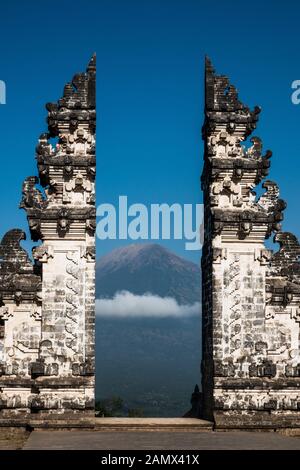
[126, 304]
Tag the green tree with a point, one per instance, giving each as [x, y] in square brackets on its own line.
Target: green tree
[135, 413]
[110, 407]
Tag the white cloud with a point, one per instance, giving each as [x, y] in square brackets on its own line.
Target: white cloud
[126, 304]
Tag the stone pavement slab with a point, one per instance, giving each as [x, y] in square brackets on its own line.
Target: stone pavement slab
[12, 438]
[95, 440]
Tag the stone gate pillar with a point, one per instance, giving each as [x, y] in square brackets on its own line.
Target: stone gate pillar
[251, 296]
[57, 377]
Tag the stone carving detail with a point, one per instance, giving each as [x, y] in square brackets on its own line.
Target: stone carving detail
[232, 293]
[250, 295]
[4, 313]
[63, 221]
[286, 261]
[79, 183]
[36, 314]
[18, 276]
[42, 253]
[219, 254]
[32, 196]
[72, 302]
[89, 254]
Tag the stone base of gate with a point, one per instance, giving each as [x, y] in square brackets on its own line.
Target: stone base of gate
[113, 424]
[283, 422]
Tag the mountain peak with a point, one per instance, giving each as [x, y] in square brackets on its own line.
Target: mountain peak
[143, 268]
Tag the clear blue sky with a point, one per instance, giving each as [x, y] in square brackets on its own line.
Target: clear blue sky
[150, 58]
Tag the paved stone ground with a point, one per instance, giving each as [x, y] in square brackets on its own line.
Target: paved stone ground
[12, 439]
[95, 440]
